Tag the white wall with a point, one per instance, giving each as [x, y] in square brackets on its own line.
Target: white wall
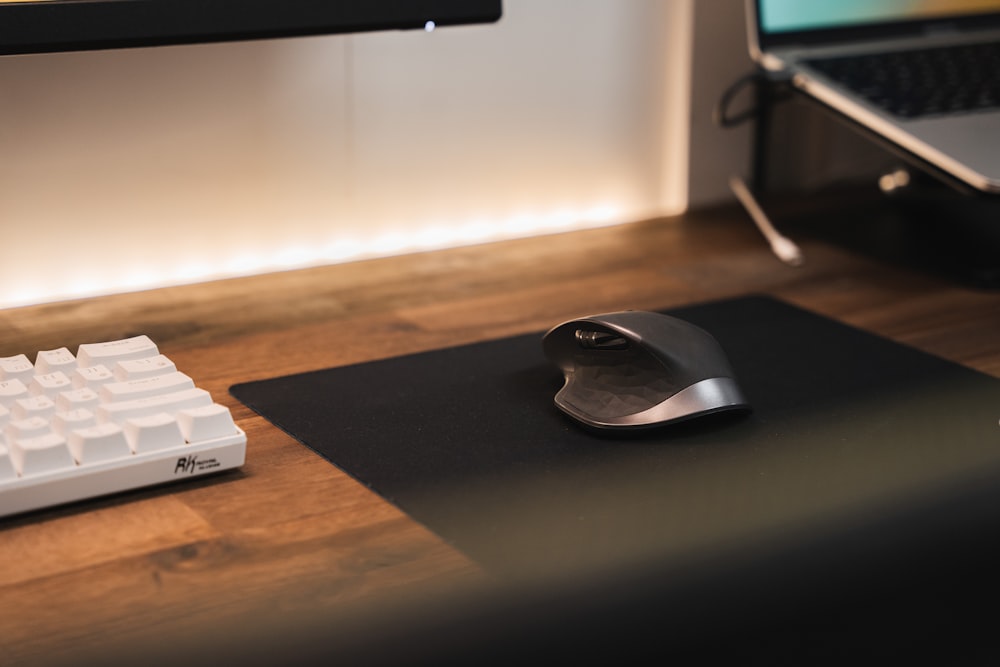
[719, 58]
[125, 169]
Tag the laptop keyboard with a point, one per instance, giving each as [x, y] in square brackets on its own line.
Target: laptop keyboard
[922, 82]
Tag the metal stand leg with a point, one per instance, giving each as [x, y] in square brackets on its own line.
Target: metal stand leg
[785, 249]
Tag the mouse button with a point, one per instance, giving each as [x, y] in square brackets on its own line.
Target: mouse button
[702, 356]
[629, 324]
[590, 338]
[685, 348]
[565, 341]
[672, 339]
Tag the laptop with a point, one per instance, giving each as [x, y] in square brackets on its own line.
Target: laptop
[922, 74]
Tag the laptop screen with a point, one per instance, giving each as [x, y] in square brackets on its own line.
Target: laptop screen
[787, 15]
[782, 19]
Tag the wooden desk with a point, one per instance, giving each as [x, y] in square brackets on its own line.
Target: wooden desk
[289, 533]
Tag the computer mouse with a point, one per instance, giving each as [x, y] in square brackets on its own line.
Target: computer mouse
[638, 369]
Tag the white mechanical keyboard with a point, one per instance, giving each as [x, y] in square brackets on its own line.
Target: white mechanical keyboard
[116, 416]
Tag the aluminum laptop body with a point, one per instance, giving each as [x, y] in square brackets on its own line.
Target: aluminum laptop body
[787, 36]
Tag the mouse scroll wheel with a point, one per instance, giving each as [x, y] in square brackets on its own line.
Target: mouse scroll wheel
[600, 340]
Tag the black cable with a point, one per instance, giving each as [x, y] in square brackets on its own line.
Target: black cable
[721, 114]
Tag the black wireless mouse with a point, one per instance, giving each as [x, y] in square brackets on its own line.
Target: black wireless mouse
[637, 369]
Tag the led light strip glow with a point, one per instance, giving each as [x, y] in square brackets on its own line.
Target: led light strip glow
[341, 248]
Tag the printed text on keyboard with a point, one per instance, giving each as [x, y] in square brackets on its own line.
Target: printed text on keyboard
[116, 416]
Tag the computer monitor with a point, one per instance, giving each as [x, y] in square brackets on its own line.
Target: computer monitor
[36, 26]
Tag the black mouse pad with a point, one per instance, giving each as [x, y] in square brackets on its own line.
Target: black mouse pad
[846, 427]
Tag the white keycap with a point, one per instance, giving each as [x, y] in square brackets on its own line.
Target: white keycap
[94, 444]
[206, 423]
[64, 422]
[50, 361]
[91, 376]
[143, 387]
[77, 398]
[41, 406]
[32, 427]
[130, 369]
[153, 432]
[6, 465]
[137, 347]
[49, 384]
[11, 390]
[17, 367]
[61, 441]
[47, 453]
[142, 407]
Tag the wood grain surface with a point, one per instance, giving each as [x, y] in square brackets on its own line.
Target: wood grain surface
[291, 533]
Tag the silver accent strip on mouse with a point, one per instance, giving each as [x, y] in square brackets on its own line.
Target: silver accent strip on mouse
[639, 369]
